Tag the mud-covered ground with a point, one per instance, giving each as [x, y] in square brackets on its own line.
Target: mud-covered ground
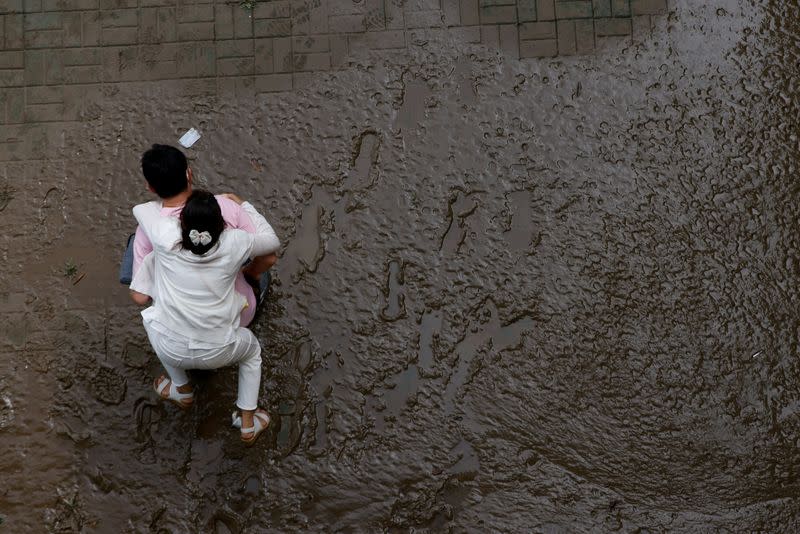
[550, 295]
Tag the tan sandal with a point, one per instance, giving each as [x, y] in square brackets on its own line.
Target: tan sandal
[261, 420]
[181, 400]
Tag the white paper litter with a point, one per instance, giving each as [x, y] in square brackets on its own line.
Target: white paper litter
[189, 138]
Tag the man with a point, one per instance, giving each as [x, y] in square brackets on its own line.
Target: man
[169, 176]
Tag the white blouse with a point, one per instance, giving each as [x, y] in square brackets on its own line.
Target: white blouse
[194, 296]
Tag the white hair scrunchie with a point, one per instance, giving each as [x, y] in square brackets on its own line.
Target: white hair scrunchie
[199, 238]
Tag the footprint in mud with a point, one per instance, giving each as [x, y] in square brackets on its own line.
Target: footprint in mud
[290, 374]
[204, 465]
[488, 332]
[393, 291]
[364, 162]
[459, 207]
[430, 325]
[15, 329]
[108, 386]
[319, 383]
[322, 415]
[290, 432]
[51, 216]
[363, 173]
[307, 247]
[135, 356]
[518, 234]
[73, 428]
[412, 105]
[388, 402]
[303, 357]
[322, 383]
[467, 93]
[146, 415]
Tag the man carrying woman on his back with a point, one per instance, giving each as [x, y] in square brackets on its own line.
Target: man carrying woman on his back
[190, 252]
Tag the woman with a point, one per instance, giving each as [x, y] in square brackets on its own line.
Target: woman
[194, 320]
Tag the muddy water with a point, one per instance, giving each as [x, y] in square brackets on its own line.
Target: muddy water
[515, 296]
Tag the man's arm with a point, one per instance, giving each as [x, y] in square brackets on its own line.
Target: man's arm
[234, 215]
[141, 248]
[239, 218]
[140, 298]
[142, 284]
[265, 241]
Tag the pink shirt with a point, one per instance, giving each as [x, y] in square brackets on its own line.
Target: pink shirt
[235, 217]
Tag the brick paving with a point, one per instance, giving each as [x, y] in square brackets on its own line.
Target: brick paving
[56, 55]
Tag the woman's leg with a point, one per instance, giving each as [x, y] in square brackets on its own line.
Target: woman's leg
[178, 376]
[248, 353]
[245, 351]
[168, 352]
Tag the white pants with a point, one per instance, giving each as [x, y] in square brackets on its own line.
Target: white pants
[176, 356]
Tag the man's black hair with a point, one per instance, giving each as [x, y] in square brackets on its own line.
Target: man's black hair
[164, 168]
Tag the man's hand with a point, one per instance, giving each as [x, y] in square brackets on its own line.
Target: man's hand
[139, 298]
[233, 197]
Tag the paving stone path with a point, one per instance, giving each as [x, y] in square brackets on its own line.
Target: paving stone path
[57, 54]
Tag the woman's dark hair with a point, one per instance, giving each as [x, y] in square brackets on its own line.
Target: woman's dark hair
[202, 213]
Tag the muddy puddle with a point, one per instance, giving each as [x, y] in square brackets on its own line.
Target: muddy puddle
[537, 295]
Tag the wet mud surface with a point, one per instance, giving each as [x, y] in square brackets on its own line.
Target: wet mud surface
[516, 295]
